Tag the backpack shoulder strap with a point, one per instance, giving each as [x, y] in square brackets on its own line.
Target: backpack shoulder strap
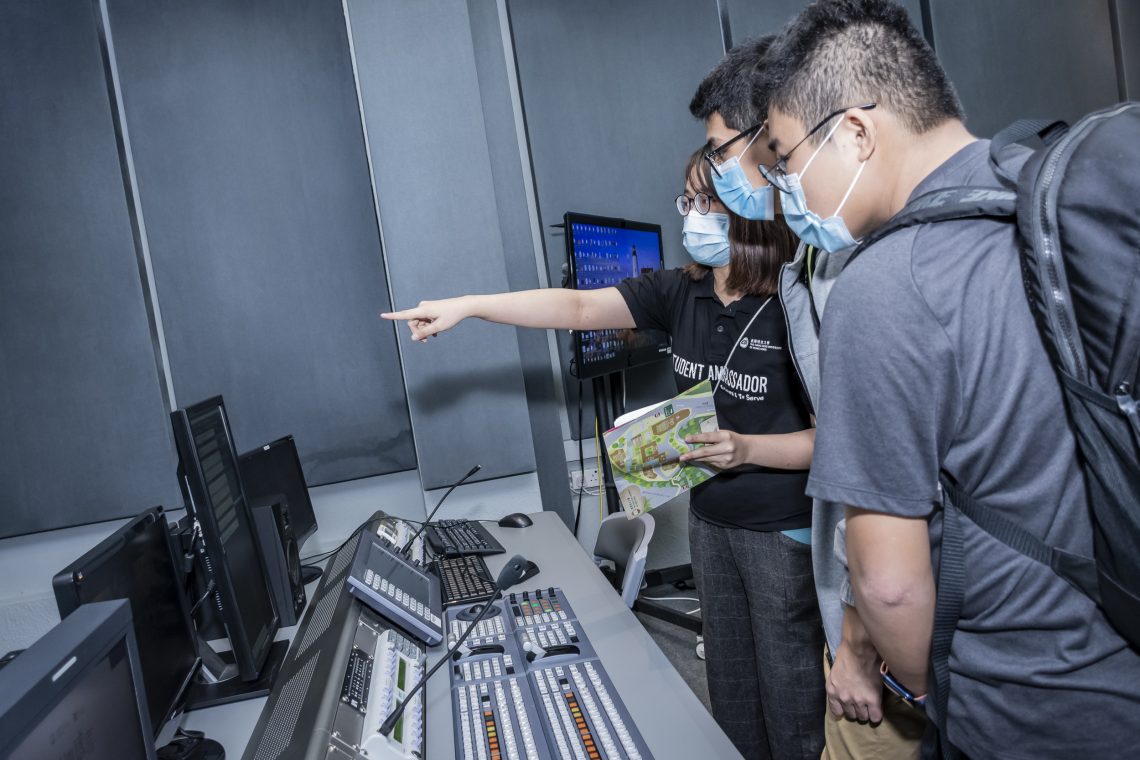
[1049, 132]
[1079, 572]
[944, 205]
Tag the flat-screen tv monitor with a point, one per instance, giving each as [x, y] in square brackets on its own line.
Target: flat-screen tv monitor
[78, 692]
[136, 563]
[603, 251]
[275, 468]
[217, 506]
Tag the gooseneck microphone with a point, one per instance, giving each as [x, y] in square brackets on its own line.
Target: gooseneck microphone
[423, 526]
[511, 574]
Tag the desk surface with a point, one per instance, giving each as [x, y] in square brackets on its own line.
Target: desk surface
[669, 716]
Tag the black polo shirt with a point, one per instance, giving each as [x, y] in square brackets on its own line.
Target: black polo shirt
[759, 392]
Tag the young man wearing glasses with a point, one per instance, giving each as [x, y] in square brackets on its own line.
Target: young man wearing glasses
[864, 720]
[931, 364]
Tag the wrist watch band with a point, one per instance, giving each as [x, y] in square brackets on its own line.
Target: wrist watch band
[901, 691]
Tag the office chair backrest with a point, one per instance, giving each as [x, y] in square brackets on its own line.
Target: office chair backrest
[625, 542]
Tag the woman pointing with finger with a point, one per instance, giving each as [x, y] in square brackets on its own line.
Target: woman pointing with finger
[749, 527]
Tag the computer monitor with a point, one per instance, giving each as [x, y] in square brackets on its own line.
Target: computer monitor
[275, 468]
[78, 692]
[217, 507]
[603, 251]
[136, 563]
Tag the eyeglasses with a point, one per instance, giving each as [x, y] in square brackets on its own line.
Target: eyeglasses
[715, 156]
[777, 173]
[701, 203]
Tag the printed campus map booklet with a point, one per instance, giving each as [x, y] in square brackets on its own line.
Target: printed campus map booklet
[646, 445]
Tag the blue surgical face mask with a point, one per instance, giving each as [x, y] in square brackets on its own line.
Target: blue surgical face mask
[737, 193]
[705, 237]
[830, 234]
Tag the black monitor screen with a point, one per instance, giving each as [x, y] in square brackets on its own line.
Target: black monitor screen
[602, 253]
[275, 468]
[95, 718]
[217, 502]
[135, 563]
[77, 692]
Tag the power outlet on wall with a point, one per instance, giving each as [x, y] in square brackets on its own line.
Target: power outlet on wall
[587, 478]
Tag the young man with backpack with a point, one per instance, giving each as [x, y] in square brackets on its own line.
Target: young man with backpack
[933, 369]
[862, 721]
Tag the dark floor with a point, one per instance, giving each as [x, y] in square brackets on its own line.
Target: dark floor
[678, 644]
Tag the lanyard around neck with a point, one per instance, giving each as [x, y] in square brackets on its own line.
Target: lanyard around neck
[736, 344]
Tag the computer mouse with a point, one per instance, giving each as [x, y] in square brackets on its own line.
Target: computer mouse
[516, 520]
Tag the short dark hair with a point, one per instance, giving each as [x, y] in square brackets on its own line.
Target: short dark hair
[734, 87]
[758, 249]
[846, 53]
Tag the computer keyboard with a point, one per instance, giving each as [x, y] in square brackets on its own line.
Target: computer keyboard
[463, 580]
[455, 537]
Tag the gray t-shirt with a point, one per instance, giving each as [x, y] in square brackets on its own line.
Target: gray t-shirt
[930, 361]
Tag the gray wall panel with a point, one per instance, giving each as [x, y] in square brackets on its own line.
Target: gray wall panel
[755, 18]
[262, 227]
[503, 141]
[418, 82]
[1128, 18]
[1026, 58]
[606, 88]
[84, 434]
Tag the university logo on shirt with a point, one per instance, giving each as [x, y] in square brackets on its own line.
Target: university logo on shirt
[759, 344]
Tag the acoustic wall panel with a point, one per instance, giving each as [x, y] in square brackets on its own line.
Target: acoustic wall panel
[1026, 58]
[504, 137]
[257, 200]
[84, 435]
[606, 89]
[1128, 26]
[755, 18]
[428, 143]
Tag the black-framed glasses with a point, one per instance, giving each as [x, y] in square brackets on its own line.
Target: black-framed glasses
[777, 173]
[701, 203]
[715, 156]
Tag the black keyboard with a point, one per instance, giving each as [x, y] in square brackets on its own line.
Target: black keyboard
[455, 537]
[463, 580]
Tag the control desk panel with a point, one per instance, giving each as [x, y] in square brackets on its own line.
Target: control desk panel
[527, 685]
[396, 588]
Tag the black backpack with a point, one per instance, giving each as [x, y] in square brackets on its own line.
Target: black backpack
[1076, 203]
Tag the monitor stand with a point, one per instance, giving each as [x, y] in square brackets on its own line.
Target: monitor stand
[217, 682]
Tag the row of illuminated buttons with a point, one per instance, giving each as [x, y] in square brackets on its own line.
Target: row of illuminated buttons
[545, 617]
[403, 597]
[583, 729]
[611, 710]
[470, 716]
[491, 627]
[547, 681]
[493, 668]
[551, 636]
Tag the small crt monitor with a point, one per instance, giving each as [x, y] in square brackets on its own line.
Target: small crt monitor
[603, 251]
[78, 692]
[136, 563]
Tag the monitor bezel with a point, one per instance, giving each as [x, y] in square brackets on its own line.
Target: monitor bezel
[625, 359]
[58, 660]
[68, 588]
[249, 662]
